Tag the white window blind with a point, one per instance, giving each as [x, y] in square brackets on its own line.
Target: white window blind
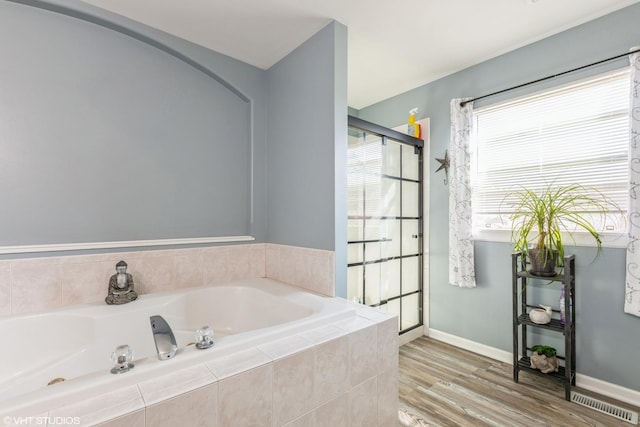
[573, 134]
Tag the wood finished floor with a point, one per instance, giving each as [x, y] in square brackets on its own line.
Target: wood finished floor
[447, 386]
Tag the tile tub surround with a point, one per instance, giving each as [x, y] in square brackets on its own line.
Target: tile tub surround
[314, 378]
[35, 284]
[310, 269]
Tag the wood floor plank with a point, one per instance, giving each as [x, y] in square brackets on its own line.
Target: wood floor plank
[448, 386]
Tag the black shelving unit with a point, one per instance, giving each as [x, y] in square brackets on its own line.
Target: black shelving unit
[567, 278]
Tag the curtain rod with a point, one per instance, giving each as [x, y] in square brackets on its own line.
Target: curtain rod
[463, 103]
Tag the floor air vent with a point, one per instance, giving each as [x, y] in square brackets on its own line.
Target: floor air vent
[605, 408]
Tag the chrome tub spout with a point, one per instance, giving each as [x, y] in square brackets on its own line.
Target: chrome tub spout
[163, 336]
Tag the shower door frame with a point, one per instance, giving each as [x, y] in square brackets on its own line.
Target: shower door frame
[419, 145]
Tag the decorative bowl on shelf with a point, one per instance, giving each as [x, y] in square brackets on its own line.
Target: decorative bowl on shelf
[541, 316]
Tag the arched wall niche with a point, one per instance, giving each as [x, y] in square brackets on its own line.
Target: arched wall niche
[108, 135]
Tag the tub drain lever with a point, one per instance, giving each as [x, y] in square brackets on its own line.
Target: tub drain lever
[163, 336]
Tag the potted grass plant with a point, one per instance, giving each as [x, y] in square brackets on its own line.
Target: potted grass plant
[540, 217]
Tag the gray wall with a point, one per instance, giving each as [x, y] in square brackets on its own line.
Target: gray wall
[115, 131]
[105, 137]
[306, 155]
[607, 340]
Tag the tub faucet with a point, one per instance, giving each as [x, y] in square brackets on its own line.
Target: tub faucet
[163, 336]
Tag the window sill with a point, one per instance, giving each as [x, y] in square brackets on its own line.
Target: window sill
[609, 240]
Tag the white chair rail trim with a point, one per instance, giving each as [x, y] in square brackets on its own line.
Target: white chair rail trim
[59, 247]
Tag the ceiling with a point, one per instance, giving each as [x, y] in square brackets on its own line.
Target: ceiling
[394, 45]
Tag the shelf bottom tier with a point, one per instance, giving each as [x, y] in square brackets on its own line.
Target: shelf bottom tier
[524, 364]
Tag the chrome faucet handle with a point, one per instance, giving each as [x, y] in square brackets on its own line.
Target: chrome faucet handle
[121, 358]
[204, 338]
[163, 337]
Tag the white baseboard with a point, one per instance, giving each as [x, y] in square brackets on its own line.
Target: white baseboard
[604, 388]
[614, 391]
[485, 350]
[411, 335]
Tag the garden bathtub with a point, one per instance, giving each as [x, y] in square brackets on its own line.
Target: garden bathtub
[76, 343]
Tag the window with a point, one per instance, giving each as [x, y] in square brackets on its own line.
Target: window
[572, 134]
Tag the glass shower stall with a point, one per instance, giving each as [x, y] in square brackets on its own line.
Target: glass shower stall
[385, 221]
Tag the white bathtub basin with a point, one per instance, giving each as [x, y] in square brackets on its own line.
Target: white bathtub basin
[76, 343]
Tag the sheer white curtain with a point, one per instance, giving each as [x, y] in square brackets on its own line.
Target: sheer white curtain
[632, 287]
[461, 266]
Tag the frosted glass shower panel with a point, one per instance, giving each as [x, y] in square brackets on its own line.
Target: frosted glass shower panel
[355, 229]
[355, 174]
[394, 237]
[355, 280]
[410, 309]
[390, 272]
[375, 229]
[410, 164]
[410, 274]
[355, 253]
[410, 237]
[384, 216]
[410, 199]
[392, 159]
[391, 197]
[372, 284]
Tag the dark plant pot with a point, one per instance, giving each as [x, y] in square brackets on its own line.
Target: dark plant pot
[543, 263]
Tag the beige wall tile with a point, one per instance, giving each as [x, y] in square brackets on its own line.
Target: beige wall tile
[134, 419]
[323, 334]
[306, 420]
[272, 261]
[322, 269]
[258, 260]
[332, 369]
[155, 273]
[239, 258]
[388, 345]
[287, 264]
[104, 407]
[235, 363]
[363, 402]
[311, 269]
[175, 384]
[215, 265]
[84, 281]
[301, 264]
[189, 268]
[293, 386]
[35, 285]
[163, 253]
[356, 323]
[363, 346]
[113, 258]
[285, 346]
[5, 288]
[84, 259]
[197, 408]
[43, 283]
[246, 399]
[16, 416]
[388, 398]
[334, 413]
